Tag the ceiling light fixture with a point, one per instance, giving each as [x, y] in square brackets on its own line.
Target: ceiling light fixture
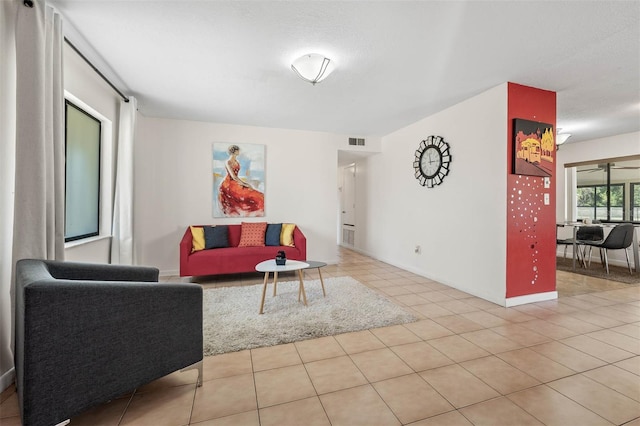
[313, 67]
[562, 137]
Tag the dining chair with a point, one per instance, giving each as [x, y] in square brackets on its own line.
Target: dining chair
[588, 234]
[566, 242]
[583, 234]
[620, 238]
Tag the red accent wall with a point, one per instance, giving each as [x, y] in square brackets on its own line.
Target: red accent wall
[531, 231]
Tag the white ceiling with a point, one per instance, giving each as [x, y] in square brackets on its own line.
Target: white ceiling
[397, 62]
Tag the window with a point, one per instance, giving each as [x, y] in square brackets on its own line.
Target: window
[609, 190]
[82, 173]
[592, 202]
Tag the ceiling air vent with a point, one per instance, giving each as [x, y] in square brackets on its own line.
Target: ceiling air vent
[356, 141]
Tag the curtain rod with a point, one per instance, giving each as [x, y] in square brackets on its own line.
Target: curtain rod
[29, 3]
[96, 70]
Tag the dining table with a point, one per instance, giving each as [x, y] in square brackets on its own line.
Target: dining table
[576, 225]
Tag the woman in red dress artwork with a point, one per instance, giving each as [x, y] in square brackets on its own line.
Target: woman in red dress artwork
[237, 197]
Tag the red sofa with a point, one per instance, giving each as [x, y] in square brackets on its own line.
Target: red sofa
[234, 259]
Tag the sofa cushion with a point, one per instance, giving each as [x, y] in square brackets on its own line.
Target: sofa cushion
[272, 237]
[198, 238]
[234, 234]
[252, 234]
[286, 236]
[216, 236]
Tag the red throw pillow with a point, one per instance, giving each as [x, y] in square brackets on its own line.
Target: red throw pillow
[252, 234]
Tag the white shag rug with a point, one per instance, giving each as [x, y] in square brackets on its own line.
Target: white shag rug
[231, 321]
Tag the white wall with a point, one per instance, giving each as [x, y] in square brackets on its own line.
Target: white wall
[83, 83]
[173, 184]
[460, 225]
[597, 149]
[373, 144]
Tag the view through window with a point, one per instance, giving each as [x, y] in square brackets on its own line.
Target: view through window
[82, 174]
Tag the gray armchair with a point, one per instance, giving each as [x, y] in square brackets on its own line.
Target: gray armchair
[88, 333]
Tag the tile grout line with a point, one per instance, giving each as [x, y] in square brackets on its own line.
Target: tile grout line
[193, 401]
[304, 365]
[127, 406]
[255, 387]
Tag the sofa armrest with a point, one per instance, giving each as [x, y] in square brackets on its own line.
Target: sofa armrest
[300, 241]
[85, 342]
[101, 272]
[185, 250]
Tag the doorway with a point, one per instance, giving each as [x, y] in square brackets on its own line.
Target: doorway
[348, 205]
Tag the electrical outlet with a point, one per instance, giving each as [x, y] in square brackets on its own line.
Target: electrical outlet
[546, 199]
[547, 182]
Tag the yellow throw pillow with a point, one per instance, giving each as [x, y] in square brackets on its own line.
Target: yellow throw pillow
[286, 235]
[198, 238]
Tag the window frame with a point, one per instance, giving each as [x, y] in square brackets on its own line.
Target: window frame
[632, 206]
[572, 179]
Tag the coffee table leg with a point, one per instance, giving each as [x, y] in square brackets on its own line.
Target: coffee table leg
[264, 291]
[301, 289]
[324, 293]
[275, 282]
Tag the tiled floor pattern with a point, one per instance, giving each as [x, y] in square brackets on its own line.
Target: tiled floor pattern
[573, 361]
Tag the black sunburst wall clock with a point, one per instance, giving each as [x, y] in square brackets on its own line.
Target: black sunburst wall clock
[432, 161]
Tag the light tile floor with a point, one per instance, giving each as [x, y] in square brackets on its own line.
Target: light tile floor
[571, 361]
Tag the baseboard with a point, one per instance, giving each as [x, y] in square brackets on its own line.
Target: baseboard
[357, 250]
[7, 379]
[530, 298]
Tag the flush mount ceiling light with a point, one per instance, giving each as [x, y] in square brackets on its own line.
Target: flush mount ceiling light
[313, 67]
[562, 137]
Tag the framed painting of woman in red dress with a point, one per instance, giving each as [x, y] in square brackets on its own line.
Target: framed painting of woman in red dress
[238, 180]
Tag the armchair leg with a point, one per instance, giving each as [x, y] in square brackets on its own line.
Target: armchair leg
[196, 366]
[606, 261]
[626, 253]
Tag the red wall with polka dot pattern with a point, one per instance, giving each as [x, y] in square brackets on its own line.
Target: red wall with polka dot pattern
[531, 243]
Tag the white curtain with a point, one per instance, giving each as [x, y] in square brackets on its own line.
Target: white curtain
[122, 230]
[8, 11]
[39, 198]
[38, 160]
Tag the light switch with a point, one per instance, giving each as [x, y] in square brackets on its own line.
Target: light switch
[546, 199]
[547, 182]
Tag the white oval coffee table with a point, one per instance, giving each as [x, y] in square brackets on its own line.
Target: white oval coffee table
[269, 266]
